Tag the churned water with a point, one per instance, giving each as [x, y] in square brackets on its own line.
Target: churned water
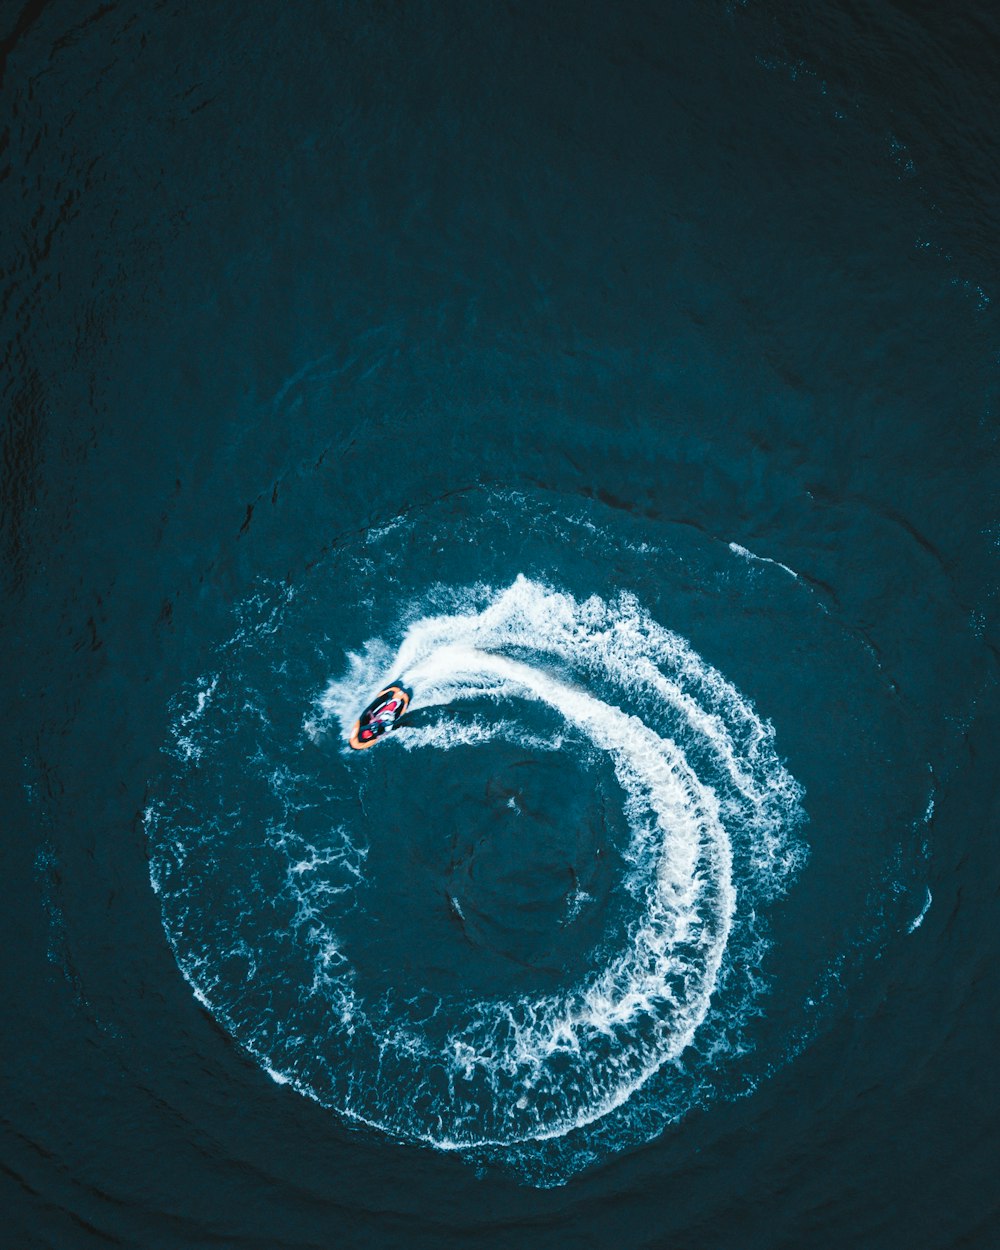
[620, 380]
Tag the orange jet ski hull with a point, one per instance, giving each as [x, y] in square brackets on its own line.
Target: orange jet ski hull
[381, 715]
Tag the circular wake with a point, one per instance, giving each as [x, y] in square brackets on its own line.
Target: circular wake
[494, 929]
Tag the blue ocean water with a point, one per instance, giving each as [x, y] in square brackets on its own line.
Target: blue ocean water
[622, 381]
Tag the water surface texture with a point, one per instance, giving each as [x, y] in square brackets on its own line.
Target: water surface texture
[622, 381]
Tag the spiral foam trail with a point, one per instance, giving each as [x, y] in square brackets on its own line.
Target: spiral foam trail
[590, 683]
[534, 1068]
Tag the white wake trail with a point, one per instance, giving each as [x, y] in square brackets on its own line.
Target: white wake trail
[533, 1068]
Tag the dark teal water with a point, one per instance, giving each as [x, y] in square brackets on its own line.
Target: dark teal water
[623, 380]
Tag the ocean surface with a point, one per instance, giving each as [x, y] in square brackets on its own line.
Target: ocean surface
[623, 381]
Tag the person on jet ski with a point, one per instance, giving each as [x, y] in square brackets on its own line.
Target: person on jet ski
[379, 720]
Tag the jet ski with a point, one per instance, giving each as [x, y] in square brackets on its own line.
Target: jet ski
[381, 715]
